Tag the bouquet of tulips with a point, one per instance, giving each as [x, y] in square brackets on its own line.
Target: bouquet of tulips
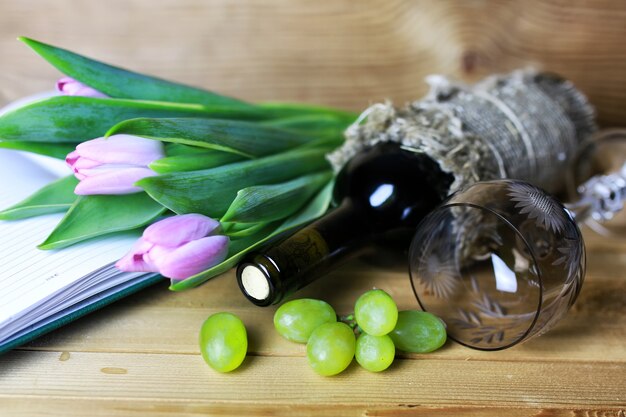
[211, 176]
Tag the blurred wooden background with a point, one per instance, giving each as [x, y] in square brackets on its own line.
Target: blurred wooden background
[342, 52]
[140, 356]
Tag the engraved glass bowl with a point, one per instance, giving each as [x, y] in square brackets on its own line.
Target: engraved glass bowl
[500, 262]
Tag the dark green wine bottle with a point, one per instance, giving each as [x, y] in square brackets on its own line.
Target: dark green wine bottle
[381, 195]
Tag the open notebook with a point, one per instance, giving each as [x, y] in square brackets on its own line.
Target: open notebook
[42, 290]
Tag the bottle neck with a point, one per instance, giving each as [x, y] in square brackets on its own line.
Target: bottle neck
[294, 262]
[384, 193]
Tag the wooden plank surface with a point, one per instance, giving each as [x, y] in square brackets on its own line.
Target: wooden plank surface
[180, 315]
[140, 356]
[289, 380]
[342, 52]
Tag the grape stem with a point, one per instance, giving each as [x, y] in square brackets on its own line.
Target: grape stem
[350, 320]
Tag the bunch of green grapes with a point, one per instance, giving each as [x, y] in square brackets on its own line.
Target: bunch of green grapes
[332, 344]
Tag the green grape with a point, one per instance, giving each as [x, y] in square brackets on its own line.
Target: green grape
[374, 353]
[331, 348]
[296, 320]
[418, 332]
[223, 341]
[376, 312]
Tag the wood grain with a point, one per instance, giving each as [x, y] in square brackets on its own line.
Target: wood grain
[341, 53]
[140, 356]
[162, 408]
[288, 380]
[596, 324]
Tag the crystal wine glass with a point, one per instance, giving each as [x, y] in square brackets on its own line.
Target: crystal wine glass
[502, 261]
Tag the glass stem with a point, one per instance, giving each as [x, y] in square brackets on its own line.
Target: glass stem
[601, 197]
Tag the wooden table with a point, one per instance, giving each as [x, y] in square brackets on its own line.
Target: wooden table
[140, 356]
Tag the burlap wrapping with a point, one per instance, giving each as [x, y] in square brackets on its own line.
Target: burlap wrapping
[525, 125]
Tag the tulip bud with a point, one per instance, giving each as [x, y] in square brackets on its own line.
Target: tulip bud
[177, 247]
[113, 165]
[68, 86]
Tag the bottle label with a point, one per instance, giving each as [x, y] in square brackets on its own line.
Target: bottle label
[303, 251]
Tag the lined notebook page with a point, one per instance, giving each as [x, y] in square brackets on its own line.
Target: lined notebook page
[29, 277]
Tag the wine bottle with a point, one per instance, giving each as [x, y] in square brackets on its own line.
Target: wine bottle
[397, 164]
[381, 196]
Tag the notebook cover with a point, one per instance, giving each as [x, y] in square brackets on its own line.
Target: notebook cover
[90, 307]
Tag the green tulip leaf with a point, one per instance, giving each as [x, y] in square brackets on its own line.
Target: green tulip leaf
[193, 162]
[53, 198]
[177, 149]
[316, 208]
[97, 215]
[314, 125]
[76, 119]
[276, 110]
[121, 83]
[240, 247]
[236, 136]
[265, 203]
[211, 191]
[245, 229]
[55, 150]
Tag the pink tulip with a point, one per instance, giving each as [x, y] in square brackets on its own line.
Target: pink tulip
[177, 247]
[68, 86]
[113, 165]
